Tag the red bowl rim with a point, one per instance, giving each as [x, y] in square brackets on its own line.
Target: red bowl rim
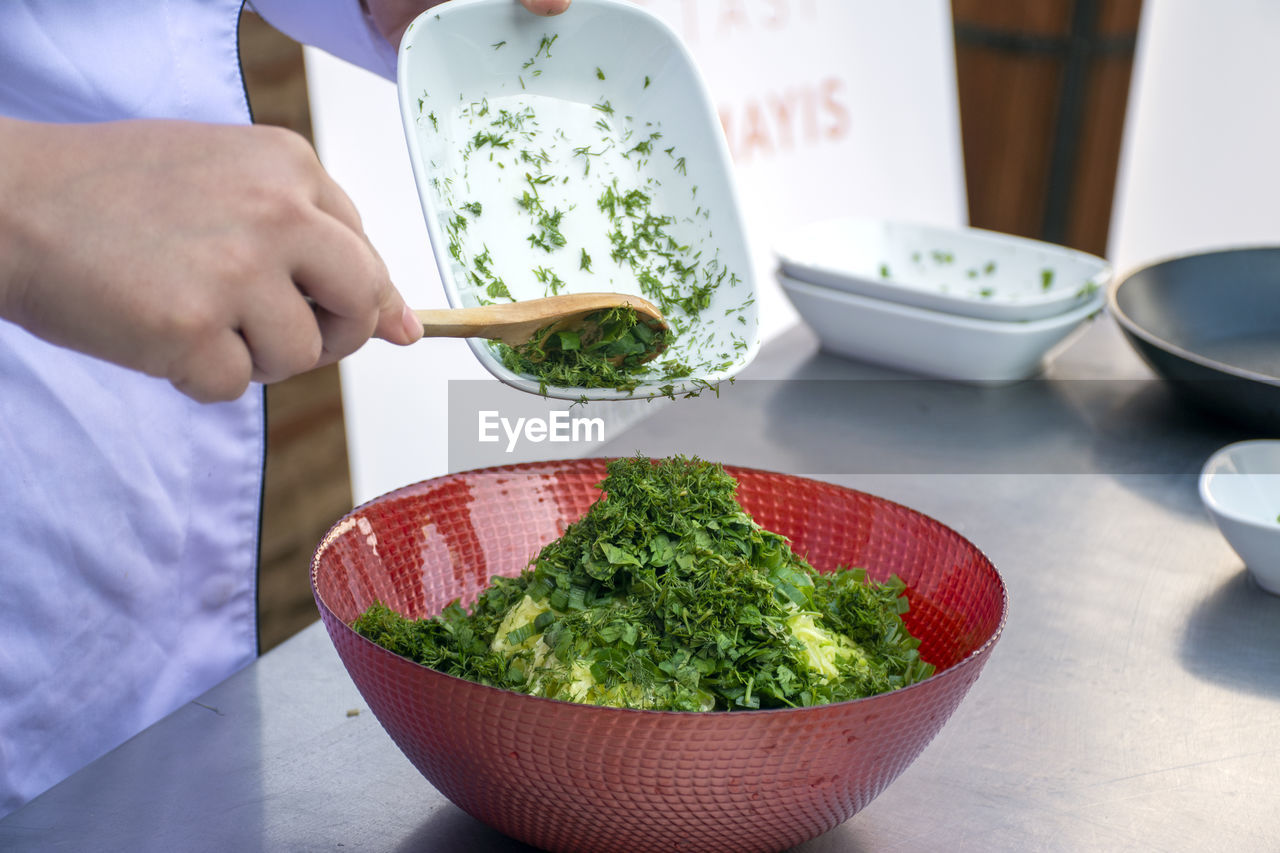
[520, 467]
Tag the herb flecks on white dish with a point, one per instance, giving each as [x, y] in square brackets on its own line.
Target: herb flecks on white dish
[522, 169]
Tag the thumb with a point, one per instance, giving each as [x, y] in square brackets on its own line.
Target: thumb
[546, 7]
[396, 320]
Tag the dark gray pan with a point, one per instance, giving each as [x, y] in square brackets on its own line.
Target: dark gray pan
[1210, 324]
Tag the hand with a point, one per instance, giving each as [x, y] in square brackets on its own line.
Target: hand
[210, 255]
[392, 17]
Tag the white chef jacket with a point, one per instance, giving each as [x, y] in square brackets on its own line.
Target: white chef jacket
[129, 514]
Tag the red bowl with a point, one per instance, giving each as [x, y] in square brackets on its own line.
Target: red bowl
[564, 776]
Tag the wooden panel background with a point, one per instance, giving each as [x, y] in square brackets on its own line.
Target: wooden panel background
[1042, 87]
[308, 483]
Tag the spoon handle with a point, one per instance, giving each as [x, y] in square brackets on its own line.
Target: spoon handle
[516, 322]
[485, 321]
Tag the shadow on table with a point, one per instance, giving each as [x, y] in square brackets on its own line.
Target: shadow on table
[879, 422]
[1227, 639]
[451, 828]
[922, 426]
[1151, 423]
[842, 839]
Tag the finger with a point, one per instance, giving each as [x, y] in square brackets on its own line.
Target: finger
[396, 322]
[281, 331]
[353, 295]
[216, 370]
[333, 200]
[546, 7]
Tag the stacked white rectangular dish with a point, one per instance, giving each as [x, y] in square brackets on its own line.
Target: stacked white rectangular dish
[956, 303]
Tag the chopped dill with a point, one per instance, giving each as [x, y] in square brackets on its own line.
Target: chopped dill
[585, 152]
[497, 289]
[553, 283]
[481, 139]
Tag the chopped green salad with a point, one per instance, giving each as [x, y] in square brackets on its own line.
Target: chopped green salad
[667, 595]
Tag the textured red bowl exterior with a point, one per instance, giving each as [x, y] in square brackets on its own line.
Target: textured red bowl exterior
[570, 777]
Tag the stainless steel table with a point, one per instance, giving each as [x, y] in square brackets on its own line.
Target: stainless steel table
[1132, 704]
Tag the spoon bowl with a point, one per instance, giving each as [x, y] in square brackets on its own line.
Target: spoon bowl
[519, 323]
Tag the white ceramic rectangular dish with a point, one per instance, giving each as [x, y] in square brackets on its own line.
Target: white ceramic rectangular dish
[578, 153]
[967, 271]
[932, 343]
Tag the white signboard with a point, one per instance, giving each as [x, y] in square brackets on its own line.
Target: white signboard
[1198, 166]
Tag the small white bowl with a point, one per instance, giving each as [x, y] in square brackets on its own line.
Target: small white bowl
[967, 271]
[1240, 487]
[928, 342]
[521, 127]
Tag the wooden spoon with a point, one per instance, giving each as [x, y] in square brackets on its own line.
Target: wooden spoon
[516, 323]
